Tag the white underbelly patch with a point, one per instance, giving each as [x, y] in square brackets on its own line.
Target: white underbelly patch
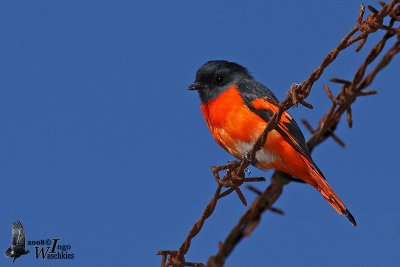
[263, 155]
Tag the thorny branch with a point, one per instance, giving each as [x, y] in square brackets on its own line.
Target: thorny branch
[278, 180]
[350, 90]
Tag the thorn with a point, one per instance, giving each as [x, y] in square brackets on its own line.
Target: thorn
[365, 93]
[338, 140]
[361, 14]
[258, 192]
[373, 9]
[241, 196]
[215, 171]
[226, 192]
[349, 117]
[341, 81]
[329, 93]
[308, 126]
[361, 43]
[254, 190]
[306, 104]
[277, 211]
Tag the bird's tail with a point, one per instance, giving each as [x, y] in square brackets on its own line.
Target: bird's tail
[319, 182]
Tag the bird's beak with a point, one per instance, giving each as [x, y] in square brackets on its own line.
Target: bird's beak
[194, 86]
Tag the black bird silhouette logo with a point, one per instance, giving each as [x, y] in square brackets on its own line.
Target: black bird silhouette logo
[17, 248]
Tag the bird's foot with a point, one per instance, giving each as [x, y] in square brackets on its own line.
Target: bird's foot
[246, 158]
[233, 178]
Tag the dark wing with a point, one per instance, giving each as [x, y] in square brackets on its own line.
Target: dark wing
[263, 102]
[18, 235]
[251, 89]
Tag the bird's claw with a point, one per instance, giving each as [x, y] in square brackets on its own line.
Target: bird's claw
[246, 158]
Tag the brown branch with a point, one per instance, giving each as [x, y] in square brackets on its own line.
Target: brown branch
[251, 218]
[264, 202]
[349, 93]
[259, 192]
[332, 134]
[235, 175]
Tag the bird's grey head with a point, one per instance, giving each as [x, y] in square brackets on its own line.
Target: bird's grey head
[214, 77]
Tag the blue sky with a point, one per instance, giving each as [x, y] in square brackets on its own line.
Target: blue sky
[102, 145]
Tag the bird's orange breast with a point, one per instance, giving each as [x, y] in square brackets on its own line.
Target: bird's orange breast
[236, 128]
[229, 114]
[233, 125]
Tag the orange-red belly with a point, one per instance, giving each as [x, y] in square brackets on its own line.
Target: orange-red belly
[236, 128]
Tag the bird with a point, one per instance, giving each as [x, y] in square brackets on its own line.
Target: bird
[17, 248]
[237, 108]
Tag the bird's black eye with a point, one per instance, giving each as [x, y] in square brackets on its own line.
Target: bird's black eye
[219, 79]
